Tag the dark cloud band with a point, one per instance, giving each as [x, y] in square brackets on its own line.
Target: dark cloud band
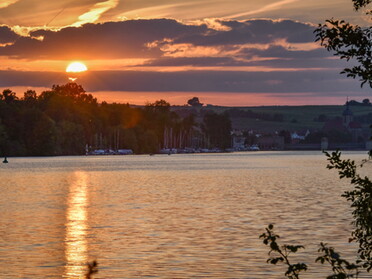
[145, 38]
[191, 81]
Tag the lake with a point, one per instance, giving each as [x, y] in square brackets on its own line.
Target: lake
[178, 216]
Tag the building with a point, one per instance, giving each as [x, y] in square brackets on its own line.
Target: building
[297, 137]
[347, 125]
[270, 142]
[238, 140]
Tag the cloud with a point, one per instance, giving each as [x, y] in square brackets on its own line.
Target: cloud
[191, 81]
[6, 3]
[128, 39]
[258, 31]
[158, 38]
[95, 13]
[11, 78]
[269, 7]
[32, 13]
[7, 36]
[220, 81]
[194, 61]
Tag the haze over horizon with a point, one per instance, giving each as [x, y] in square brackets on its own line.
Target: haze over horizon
[236, 53]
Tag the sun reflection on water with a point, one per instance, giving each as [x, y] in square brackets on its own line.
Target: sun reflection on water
[76, 246]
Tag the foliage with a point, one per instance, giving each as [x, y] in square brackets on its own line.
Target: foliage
[360, 3]
[194, 102]
[92, 269]
[217, 128]
[3, 139]
[350, 43]
[282, 253]
[365, 102]
[361, 203]
[66, 120]
[341, 268]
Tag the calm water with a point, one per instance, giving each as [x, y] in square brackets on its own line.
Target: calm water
[179, 216]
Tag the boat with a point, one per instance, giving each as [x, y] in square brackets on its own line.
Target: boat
[168, 151]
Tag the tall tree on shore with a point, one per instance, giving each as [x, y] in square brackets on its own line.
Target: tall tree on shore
[217, 128]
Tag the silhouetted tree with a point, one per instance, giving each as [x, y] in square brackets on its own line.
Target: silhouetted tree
[65, 119]
[8, 96]
[3, 140]
[350, 43]
[366, 102]
[30, 97]
[194, 102]
[217, 128]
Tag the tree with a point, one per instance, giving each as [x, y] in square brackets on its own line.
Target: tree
[70, 138]
[3, 140]
[366, 102]
[158, 120]
[44, 136]
[350, 43]
[194, 102]
[30, 96]
[217, 128]
[8, 96]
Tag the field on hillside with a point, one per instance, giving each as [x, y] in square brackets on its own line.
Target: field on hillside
[293, 118]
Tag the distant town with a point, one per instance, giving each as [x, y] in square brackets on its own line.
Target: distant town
[345, 127]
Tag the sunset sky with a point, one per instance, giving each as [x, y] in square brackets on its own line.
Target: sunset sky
[236, 52]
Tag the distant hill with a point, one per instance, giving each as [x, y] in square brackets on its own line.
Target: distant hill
[276, 118]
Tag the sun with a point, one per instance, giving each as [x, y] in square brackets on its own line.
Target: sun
[76, 67]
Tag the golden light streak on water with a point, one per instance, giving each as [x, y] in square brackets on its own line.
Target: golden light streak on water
[76, 246]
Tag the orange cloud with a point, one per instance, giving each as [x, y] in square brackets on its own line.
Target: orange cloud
[95, 13]
[273, 6]
[7, 3]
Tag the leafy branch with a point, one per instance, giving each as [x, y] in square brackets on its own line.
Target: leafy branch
[92, 269]
[282, 253]
[341, 268]
[361, 203]
[358, 4]
[350, 43]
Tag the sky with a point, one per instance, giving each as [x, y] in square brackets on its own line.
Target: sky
[233, 53]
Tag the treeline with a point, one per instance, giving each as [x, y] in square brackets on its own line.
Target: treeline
[67, 121]
[364, 103]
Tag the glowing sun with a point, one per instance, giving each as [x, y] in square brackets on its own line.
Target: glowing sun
[76, 67]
